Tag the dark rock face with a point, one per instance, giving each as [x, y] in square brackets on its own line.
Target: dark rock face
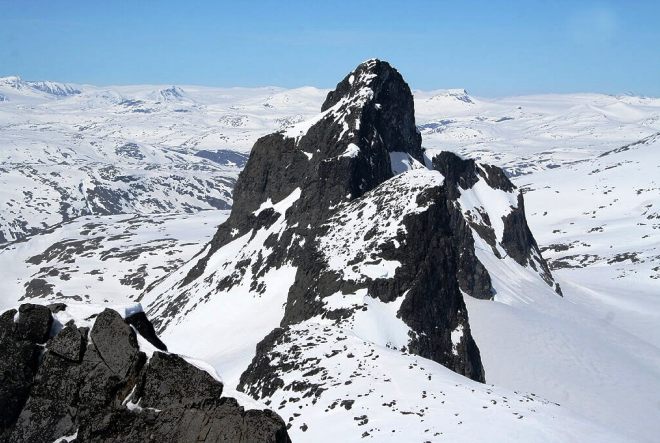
[517, 239]
[371, 99]
[33, 323]
[435, 244]
[458, 172]
[69, 343]
[99, 385]
[20, 348]
[115, 343]
[393, 112]
[175, 401]
[521, 245]
[169, 380]
[433, 306]
[144, 327]
[52, 408]
[210, 421]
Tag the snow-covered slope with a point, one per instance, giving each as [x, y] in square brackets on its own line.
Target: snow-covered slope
[337, 382]
[101, 259]
[71, 150]
[600, 355]
[17, 88]
[588, 164]
[533, 133]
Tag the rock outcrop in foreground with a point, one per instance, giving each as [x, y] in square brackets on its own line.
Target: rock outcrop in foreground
[105, 378]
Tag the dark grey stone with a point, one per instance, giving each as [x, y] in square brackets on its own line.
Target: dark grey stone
[213, 420]
[19, 357]
[146, 329]
[51, 410]
[84, 386]
[69, 343]
[34, 322]
[168, 380]
[115, 342]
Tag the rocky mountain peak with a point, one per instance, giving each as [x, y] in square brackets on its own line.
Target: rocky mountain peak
[364, 135]
[343, 221]
[366, 124]
[385, 103]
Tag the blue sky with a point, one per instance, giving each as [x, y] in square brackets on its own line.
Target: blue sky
[490, 48]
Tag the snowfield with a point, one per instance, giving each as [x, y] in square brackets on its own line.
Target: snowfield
[68, 151]
[105, 191]
[102, 259]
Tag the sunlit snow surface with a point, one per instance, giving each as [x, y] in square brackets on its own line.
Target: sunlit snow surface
[102, 259]
[593, 209]
[134, 149]
[345, 241]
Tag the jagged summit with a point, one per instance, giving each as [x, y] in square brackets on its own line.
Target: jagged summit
[388, 107]
[364, 135]
[345, 151]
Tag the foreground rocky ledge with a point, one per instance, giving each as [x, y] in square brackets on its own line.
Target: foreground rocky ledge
[108, 378]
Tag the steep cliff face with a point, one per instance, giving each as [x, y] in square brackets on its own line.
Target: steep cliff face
[495, 211]
[366, 123]
[343, 221]
[96, 376]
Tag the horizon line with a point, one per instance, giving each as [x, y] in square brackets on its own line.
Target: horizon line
[273, 86]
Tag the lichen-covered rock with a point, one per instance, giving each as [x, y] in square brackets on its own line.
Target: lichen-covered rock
[169, 380]
[99, 386]
[33, 323]
[52, 408]
[69, 343]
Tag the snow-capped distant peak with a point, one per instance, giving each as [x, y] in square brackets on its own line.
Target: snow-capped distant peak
[173, 93]
[54, 88]
[452, 94]
[51, 88]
